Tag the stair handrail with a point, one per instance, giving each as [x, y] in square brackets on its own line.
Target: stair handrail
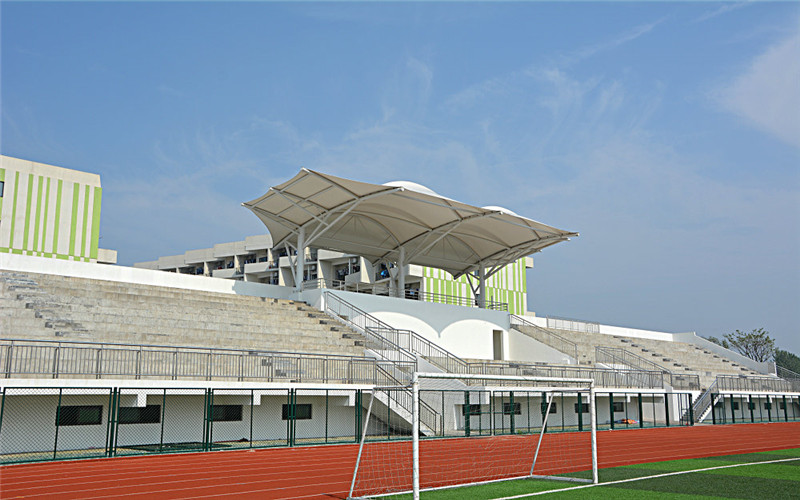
[702, 404]
[626, 357]
[405, 399]
[408, 339]
[787, 374]
[369, 325]
[572, 346]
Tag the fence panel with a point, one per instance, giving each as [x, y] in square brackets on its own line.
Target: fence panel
[54, 423]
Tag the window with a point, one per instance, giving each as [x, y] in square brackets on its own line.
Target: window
[782, 406]
[150, 414]
[735, 405]
[301, 412]
[584, 407]
[512, 409]
[79, 415]
[751, 406]
[2, 185]
[767, 405]
[553, 407]
[473, 409]
[226, 413]
[619, 406]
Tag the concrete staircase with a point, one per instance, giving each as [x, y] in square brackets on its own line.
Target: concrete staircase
[48, 307]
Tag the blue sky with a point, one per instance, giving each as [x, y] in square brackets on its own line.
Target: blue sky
[667, 134]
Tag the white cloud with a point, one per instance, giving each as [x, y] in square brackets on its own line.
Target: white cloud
[724, 9]
[768, 93]
[505, 84]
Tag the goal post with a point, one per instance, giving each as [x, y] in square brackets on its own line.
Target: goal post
[464, 429]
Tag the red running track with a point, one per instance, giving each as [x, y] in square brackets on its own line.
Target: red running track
[324, 472]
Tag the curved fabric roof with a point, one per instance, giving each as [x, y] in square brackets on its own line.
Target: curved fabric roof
[375, 220]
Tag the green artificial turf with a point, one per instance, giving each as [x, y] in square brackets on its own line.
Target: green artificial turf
[756, 481]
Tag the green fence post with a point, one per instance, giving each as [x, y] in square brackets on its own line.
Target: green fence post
[713, 410]
[2, 407]
[733, 409]
[513, 412]
[58, 423]
[580, 412]
[611, 409]
[466, 413]
[666, 408]
[358, 416]
[110, 423]
[293, 417]
[389, 417]
[751, 407]
[769, 409]
[210, 420]
[691, 410]
[641, 412]
[491, 413]
[163, 414]
[252, 404]
[326, 416]
[528, 409]
[785, 410]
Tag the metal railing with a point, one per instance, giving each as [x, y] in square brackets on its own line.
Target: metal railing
[384, 337]
[704, 402]
[552, 339]
[454, 300]
[405, 340]
[620, 356]
[369, 326]
[574, 325]
[787, 373]
[643, 379]
[72, 359]
[731, 383]
[384, 289]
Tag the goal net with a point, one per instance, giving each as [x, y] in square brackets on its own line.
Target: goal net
[460, 430]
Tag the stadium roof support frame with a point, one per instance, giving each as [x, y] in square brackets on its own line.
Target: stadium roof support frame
[399, 222]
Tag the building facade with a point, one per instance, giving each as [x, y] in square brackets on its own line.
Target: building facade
[255, 259]
[49, 211]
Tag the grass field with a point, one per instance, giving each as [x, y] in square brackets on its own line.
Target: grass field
[779, 480]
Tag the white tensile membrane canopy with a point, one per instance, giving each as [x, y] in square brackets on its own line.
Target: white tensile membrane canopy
[399, 222]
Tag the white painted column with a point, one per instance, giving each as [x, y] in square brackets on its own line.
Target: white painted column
[300, 261]
[482, 286]
[401, 278]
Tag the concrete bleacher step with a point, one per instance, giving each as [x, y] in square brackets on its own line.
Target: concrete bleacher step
[52, 307]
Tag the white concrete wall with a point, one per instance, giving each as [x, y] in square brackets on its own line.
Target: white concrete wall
[466, 332]
[123, 274]
[523, 348]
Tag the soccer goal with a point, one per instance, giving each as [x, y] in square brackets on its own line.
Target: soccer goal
[461, 430]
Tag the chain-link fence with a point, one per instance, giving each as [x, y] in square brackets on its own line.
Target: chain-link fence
[39, 424]
[753, 408]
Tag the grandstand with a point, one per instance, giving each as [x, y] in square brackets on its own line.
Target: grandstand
[104, 360]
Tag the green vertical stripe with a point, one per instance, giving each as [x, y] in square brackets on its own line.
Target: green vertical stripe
[74, 223]
[26, 230]
[98, 195]
[2, 179]
[37, 222]
[58, 215]
[86, 228]
[46, 215]
[14, 209]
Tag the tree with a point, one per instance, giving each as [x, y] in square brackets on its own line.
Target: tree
[787, 360]
[723, 342]
[757, 345]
